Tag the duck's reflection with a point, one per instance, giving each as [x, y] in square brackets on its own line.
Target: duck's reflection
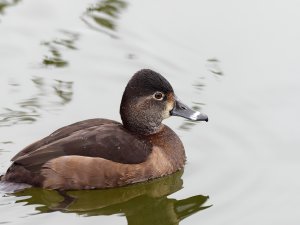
[145, 203]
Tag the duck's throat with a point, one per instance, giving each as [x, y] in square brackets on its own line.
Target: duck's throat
[142, 127]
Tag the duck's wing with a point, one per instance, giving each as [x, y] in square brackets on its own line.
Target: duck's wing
[62, 133]
[95, 138]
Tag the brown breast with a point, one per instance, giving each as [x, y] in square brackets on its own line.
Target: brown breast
[81, 172]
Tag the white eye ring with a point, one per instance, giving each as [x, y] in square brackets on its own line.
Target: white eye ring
[158, 95]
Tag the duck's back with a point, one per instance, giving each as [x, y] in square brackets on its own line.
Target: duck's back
[95, 138]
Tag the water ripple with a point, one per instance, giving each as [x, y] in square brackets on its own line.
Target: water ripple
[103, 16]
[49, 95]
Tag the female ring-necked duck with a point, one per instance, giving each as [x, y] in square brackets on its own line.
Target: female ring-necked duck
[102, 153]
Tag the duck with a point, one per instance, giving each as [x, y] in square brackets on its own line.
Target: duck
[102, 153]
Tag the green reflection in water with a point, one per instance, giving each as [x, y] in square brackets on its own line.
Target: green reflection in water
[56, 46]
[6, 3]
[49, 96]
[63, 90]
[213, 65]
[103, 15]
[145, 203]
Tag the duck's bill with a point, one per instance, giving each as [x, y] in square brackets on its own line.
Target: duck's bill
[184, 111]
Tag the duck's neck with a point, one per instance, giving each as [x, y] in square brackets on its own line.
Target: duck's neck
[140, 121]
[141, 125]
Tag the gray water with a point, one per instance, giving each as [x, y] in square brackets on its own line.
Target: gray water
[238, 61]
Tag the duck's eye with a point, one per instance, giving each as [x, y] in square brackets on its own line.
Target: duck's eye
[158, 95]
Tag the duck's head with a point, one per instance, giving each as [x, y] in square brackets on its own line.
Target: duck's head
[148, 99]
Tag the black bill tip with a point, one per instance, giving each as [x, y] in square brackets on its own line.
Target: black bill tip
[197, 116]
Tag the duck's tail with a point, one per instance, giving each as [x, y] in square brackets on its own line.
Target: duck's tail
[10, 187]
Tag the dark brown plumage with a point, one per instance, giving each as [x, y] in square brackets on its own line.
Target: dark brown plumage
[101, 153]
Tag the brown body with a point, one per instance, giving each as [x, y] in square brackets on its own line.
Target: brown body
[101, 153]
[50, 166]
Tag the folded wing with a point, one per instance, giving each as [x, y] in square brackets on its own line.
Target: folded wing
[94, 138]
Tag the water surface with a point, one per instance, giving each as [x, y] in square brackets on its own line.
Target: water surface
[237, 61]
